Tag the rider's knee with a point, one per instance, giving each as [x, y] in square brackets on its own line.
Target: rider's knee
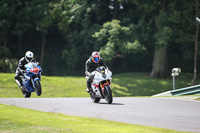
[17, 77]
[89, 81]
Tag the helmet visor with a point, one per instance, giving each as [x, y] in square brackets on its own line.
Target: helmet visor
[96, 59]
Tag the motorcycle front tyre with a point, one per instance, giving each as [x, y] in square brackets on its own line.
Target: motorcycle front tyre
[108, 94]
[38, 89]
[94, 99]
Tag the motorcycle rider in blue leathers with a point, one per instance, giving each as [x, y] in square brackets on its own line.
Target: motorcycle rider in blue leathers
[91, 64]
[21, 68]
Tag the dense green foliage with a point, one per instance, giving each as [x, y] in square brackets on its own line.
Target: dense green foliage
[16, 120]
[125, 32]
[123, 85]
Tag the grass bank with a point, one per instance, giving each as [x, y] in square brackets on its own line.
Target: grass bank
[123, 85]
[198, 99]
[16, 120]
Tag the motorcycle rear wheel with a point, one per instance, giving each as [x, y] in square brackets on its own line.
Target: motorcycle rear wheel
[108, 94]
[26, 94]
[38, 89]
[94, 99]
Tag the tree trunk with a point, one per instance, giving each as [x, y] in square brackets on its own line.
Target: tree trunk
[116, 8]
[196, 47]
[160, 62]
[43, 47]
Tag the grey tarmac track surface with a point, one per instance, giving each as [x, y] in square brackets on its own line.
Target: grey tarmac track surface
[180, 115]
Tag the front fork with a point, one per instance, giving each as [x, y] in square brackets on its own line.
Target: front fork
[33, 83]
[102, 86]
[34, 79]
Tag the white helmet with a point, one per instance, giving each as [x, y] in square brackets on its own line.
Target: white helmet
[95, 57]
[29, 56]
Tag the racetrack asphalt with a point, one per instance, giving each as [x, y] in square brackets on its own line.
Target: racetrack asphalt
[176, 114]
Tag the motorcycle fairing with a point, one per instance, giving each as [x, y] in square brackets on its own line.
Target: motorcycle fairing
[27, 85]
[33, 68]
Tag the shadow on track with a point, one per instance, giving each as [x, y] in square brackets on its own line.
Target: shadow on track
[110, 104]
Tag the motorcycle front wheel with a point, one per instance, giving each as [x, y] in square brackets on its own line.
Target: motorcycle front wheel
[94, 99]
[38, 89]
[108, 94]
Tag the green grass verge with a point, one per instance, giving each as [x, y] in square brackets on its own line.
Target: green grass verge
[17, 120]
[198, 99]
[123, 85]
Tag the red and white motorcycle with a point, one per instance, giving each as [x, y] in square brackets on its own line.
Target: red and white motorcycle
[101, 85]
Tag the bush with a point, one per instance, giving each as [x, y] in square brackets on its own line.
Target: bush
[8, 65]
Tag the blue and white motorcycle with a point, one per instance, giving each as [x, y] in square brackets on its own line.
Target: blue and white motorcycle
[31, 79]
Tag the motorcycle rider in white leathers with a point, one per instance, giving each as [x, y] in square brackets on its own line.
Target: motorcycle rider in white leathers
[21, 68]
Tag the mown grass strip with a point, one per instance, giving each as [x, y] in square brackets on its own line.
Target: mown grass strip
[16, 120]
[123, 85]
[198, 99]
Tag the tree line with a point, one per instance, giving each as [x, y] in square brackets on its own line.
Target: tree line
[132, 35]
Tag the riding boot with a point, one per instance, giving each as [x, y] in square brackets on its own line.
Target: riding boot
[88, 85]
[19, 83]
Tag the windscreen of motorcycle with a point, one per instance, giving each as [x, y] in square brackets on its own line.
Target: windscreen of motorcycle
[101, 70]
